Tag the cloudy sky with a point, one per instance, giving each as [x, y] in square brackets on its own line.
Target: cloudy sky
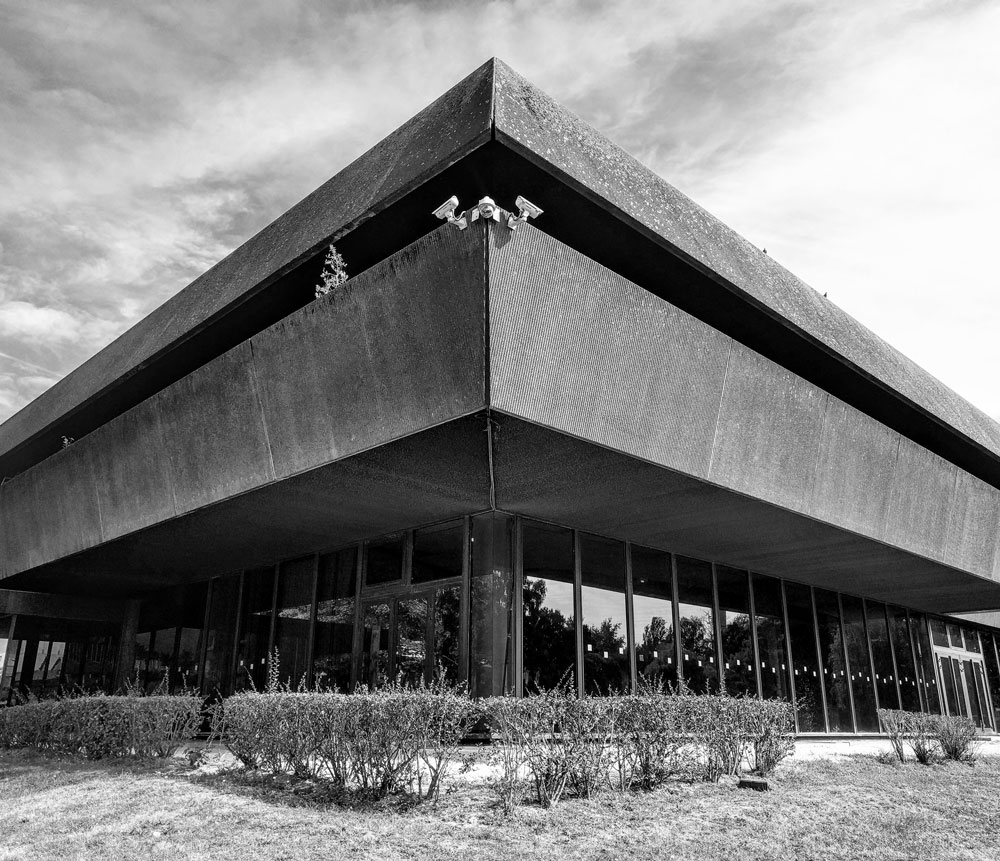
[857, 141]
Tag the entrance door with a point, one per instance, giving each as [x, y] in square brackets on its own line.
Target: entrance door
[410, 636]
[963, 679]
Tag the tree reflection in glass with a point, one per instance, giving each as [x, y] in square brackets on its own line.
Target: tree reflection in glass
[737, 634]
[333, 651]
[447, 607]
[862, 683]
[697, 625]
[909, 682]
[885, 674]
[805, 666]
[653, 615]
[549, 617]
[411, 641]
[605, 643]
[835, 681]
[375, 645]
[771, 638]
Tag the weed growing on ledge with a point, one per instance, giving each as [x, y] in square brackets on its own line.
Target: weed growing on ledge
[334, 272]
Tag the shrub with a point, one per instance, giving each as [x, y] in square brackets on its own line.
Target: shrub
[100, 727]
[896, 724]
[650, 739]
[923, 739]
[771, 727]
[957, 737]
[375, 742]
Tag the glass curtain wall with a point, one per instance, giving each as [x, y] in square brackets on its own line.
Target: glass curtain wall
[335, 610]
[549, 620]
[491, 622]
[220, 635]
[737, 630]
[836, 683]
[606, 664]
[653, 617]
[293, 620]
[769, 615]
[255, 629]
[992, 661]
[925, 662]
[696, 620]
[856, 640]
[881, 648]
[906, 668]
[806, 672]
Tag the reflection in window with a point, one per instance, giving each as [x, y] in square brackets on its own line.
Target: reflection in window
[605, 631]
[955, 636]
[972, 641]
[939, 632]
[491, 614]
[549, 617]
[220, 634]
[447, 632]
[885, 676]
[952, 681]
[384, 563]
[437, 552]
[411, 641]
[653, 615]
[375, 645]
[831, 644]
[737, 634]
[335, 619]
[697, 625]
[925, 662]
[805, 664]
[862, 683]
[255, 629]
[771, 638]
[293, 619]
[909, 683]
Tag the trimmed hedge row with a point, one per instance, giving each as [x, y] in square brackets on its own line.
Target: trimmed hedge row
[100, 727]
[398, 739]
[930, 737]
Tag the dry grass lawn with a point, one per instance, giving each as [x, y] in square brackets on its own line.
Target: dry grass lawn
[854, 808]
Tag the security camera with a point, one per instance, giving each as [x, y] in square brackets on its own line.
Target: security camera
[525, 210]
[446, 212]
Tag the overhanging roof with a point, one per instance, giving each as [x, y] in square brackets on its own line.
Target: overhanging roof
[495, 104]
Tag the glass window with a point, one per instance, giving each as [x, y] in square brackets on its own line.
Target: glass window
[255, 629]
[447, 633]
[992, 674]
[737, 633]
[653, 615]
[411, 641]
[909, 683]
[885, 676]
[335, 596]
[771, 644]
[491, 614]
[220, 635]
[437, 552]
[384, 561]
[161, 659]
[939, 632]
[805, 664]
[952, 682]
[605, 637]
[375, 622]
[925, 662]
[862, 683]
[697, 624]
[549, 615]
[831, 644]
[293, 619]
[972, 641]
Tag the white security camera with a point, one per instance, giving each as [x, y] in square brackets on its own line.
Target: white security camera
[525, 210]
[446, 212]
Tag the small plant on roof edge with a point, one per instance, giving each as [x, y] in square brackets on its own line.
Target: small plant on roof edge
[334, 272]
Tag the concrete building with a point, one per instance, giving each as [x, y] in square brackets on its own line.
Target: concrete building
[617, 439]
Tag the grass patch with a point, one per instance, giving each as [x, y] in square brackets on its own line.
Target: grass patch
[854, 808]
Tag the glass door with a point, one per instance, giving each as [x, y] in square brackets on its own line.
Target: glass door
[963, 680]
